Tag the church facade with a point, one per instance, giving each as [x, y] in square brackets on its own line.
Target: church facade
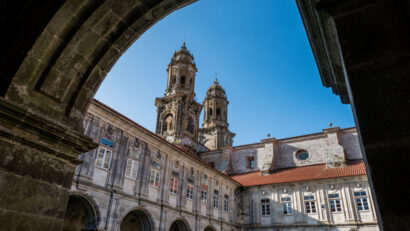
[186, 177]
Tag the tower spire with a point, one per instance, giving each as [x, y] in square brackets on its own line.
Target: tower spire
[215, 133]
[178, 112]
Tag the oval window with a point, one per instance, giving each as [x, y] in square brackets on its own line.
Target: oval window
[302, 155]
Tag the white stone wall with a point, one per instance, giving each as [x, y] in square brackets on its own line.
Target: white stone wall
[271, 153]
[347, 219]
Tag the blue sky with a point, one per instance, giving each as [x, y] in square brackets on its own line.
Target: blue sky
[260, 52]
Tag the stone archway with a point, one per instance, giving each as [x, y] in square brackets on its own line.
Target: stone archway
[56, 53]
[54, 56]
[179, 225]
[80, 215]
[136, 220]
[209, 228]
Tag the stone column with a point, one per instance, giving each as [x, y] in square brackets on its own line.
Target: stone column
[37, 162]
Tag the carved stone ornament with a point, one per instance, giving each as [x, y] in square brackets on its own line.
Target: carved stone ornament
[136, 143]
[307, 188]
[264, 193]
[332, 186]
[285, 191]
[158, 155]
[192, 171]
[109, 131]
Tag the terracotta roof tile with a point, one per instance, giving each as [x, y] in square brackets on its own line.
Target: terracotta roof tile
[305, 173]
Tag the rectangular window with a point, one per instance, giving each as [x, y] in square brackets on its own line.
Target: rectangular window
[310, 204]
[250, 162]
[265, 207]
[131, 169]
[216, 201]
[104, 158]
[287, 205]
[204, 196]
[190, 191]
[155, 177]
[362, 201]
[173, 187]
[334, 201]
[226, 203]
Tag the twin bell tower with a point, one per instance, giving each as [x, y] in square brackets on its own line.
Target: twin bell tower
[178, 112]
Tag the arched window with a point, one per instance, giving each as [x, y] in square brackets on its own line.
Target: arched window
[190, 82]
[183, 81]
[190, 126]
[218, 113]
[167, 123]
[209, 113]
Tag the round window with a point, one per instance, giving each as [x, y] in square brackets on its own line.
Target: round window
[302, 155]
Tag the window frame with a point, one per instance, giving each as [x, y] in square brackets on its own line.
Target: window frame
[155, 177]
[287, 205]
[134, 167]
[226, 203]
[250, 162]
[173, 185]
[265, 206]
[204, 196]
[103, 158]
[190, 192]
[337, 202]
[310, 204]
[358, 195]
[216, 201]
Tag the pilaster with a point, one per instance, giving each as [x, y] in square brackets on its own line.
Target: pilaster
[37, 164]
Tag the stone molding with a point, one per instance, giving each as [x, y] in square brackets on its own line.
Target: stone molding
[27, 128]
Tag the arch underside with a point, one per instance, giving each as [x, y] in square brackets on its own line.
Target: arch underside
[179, 225]
[74, 52]
[136, 221]
[80, 215]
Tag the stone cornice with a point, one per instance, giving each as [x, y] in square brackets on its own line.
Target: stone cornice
[42, 134]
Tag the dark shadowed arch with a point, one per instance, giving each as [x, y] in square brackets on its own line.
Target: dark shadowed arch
[137, 220]
[209, 228]
[77, 45]
[179, 225]
[80, 215]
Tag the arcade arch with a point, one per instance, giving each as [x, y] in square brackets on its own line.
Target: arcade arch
[80, 215]
[179, 225]
[137, 220]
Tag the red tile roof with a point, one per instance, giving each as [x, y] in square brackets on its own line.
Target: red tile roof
[305, 173]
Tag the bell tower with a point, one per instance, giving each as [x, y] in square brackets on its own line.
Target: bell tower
[178, 112]
[215, 133]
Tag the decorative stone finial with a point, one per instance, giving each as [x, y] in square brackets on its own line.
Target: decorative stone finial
[268, 135]
[330, 124]
[183, 45]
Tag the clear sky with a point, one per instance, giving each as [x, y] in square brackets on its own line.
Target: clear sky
[261, 54]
